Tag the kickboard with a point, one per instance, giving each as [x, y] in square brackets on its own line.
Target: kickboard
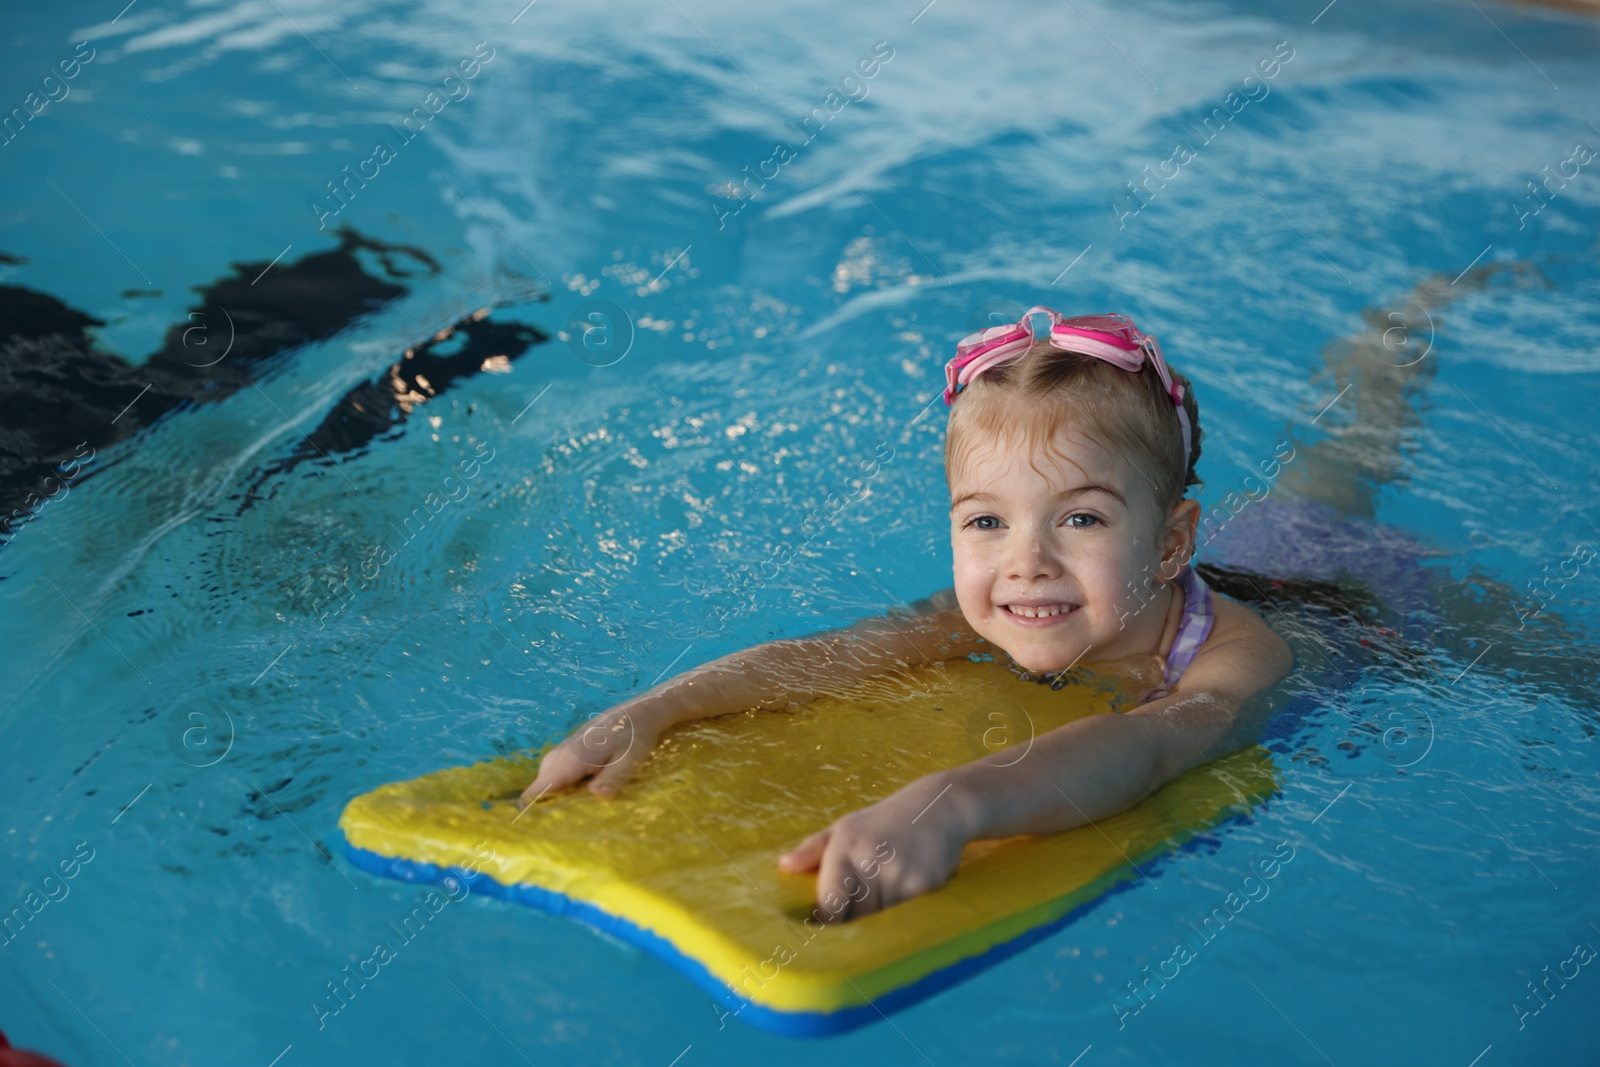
[684, 861]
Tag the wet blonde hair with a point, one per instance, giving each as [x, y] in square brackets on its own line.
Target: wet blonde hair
[1046, 390]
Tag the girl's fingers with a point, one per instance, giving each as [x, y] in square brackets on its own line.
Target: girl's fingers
[606, 747]
[836, 881]
[606, 741]
[543, 781]
[807, 855]
[608, 780]
[558, 769]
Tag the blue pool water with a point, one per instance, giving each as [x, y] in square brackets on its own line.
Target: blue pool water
[225, 629]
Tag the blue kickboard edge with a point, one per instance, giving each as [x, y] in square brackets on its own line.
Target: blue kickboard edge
[785, 1023]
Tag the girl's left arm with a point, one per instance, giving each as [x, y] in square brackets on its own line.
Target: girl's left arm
[1071, 776]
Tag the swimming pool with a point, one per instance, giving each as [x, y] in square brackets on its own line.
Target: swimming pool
[291, 572]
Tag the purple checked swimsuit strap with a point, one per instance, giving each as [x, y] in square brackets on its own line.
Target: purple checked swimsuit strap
[1195, 626]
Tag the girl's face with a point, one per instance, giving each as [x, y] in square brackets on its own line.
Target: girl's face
[1052, 565]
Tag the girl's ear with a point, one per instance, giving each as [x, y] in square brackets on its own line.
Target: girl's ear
[1177, 538]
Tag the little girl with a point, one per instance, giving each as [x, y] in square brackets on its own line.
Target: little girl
[1067, 458]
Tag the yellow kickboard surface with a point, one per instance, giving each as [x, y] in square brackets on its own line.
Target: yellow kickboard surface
[688, 851]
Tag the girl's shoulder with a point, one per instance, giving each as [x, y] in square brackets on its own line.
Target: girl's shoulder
[1231, 620]
[1240, 647]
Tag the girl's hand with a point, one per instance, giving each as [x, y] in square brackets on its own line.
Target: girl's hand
[905, 845]
[608, 747]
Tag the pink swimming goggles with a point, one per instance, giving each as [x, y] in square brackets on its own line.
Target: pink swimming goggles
[1113, 338]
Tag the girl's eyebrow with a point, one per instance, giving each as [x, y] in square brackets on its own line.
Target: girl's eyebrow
[1092, 487]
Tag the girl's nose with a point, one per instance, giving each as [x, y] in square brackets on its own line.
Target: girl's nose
[1031, 558]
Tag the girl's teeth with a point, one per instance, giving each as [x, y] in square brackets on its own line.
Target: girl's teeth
[1036, 613]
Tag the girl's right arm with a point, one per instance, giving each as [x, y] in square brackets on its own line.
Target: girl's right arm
[778, 674]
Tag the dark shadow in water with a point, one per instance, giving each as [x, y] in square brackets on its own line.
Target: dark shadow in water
[257, 313]
[63, 398]
[377, 410]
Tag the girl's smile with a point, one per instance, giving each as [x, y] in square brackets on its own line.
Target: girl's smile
[1042, 613]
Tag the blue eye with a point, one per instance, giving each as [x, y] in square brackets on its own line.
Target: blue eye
[1089, 520]
[982, 518]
